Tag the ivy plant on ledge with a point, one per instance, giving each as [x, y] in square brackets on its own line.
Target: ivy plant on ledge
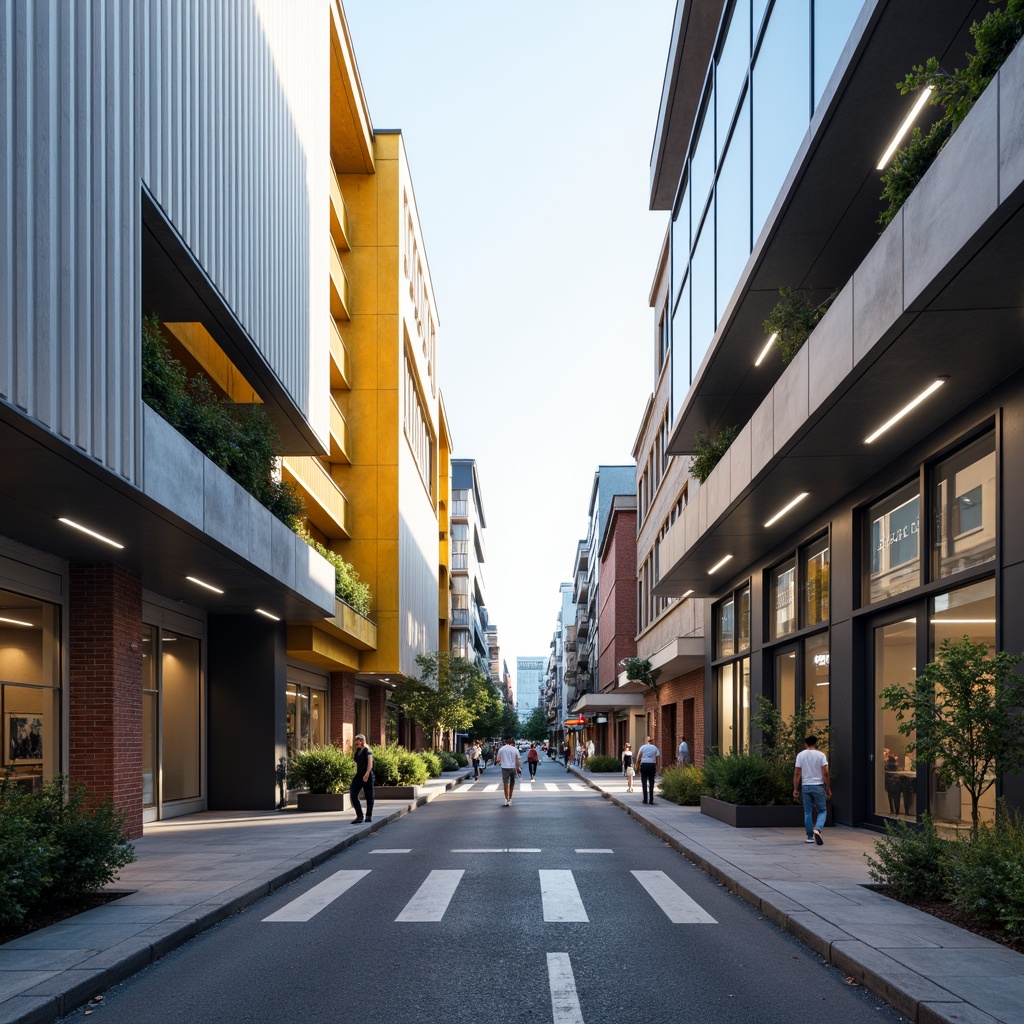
[995, 37]
[708, 448]
[638, 670]
[238, 438]
[793, 319]
[347, 585]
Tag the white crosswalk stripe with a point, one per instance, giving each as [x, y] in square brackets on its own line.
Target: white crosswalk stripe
[565, 1003]
[678, 907]
[560, 897]
[432, 897]
[310, 903]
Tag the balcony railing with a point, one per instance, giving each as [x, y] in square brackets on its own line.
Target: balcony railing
[339, 212]
[326, 504]
[341, 366]
[340, 299]
[340, 440]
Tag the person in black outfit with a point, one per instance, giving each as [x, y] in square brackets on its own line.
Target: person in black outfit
[363, 780]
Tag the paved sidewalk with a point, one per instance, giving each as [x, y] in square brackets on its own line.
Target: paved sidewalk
[930, 971]
[191, 873]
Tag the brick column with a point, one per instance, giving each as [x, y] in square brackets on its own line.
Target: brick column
[105, 686]
[343, 710]
[378, 709]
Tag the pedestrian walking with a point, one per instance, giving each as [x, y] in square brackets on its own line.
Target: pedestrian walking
[363, 780]
[647, 756]
[627, 766]
[532, 761]
[475, 753]
[511, 767]
[683, 752]
[590, 748]
[811, 782]
[565, 754]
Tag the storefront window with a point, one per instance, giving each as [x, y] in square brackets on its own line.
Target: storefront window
[816, 676]
[895, 655]
[306, 718]
[815, 582]
[150, 717]
[182, 719]
[743, 619]
[783, 599]
[734, 705]
[725, 628]
[964, 508]
[893, 558]
[29, 689]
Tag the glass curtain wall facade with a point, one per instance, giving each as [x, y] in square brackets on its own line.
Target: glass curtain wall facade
[772, 64]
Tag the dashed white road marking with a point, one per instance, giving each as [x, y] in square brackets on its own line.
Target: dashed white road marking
[550, 787]
[310, 903]
[578, 786]
[595, 850]
[432, 897]
[678, 907]
[392, 851]
[498, 849]
[492, 788]
[565, 1003]
[560, 897]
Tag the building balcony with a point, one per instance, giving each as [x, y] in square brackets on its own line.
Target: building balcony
[340, 440]
[326, 505]
[341, 363]
[340, 299]
[335, 643]
[339, 213]
[582, 625]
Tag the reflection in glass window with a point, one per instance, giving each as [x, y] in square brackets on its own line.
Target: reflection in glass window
[785, 684]
[680, 243]
[181, 706]
[816, 676]
[732, 201]
[783, 599]
[833, 21]
[731, 69]
[816, 582]
[681, 350]
[734, 706]
[702, 160]
[743, 619]
[895, 657]
[964, 508]
[894, 533]
[702, 294]
[781, 98]
[725, 629]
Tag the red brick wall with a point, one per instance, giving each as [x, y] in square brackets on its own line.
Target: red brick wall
[105, 685]
[343, 710]
[678, 691]
[616, 628]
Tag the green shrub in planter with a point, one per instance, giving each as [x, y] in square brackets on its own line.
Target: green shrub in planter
[461, 761]
[385, 766]
[748, 778]
[433, 763]
[449, 762]
[412, 769]
[325, 769]
[911, 860]
[23, 868]
[600, 763]
[396, 766]
[984, 873]
[683, 784]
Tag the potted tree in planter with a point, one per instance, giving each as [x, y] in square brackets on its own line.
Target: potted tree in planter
[326, 774]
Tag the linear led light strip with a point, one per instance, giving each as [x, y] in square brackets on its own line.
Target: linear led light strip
[718, 565]
[91, 533]
[15, 622]
[782, 511]
[207, 586]
[910, 406]
[268, 615]
[903, 129]
[767, 348]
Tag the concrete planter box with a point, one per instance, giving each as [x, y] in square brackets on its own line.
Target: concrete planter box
[322, 802]
[747, 816]
[395, 792]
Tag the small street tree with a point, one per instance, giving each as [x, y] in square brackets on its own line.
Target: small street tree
[536, 726]
[447, 697]
[964, 711]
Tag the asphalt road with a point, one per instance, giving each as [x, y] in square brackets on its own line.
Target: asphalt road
[559, 909]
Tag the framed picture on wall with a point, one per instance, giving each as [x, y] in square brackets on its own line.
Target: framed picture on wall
[23, 742]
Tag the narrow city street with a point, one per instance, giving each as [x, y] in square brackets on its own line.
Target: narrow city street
[558, 908]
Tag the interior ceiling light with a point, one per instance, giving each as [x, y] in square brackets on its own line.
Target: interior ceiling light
[718, 565]
[934, 386]
[16, 622]
[947, 622]
[782, 511]
[91, 533]
[767, 348]
[207, 586]
[268, 615]
[904, 128]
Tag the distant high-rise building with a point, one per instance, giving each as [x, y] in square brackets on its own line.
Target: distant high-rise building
[530, 673]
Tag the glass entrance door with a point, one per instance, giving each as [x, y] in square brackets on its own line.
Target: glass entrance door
[894, 780]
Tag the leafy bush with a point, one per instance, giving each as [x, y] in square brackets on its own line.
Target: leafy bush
[325, 769]
[461, 761]
[449, 761]
[784, 738]
[56, 846]
[396, 766]
[911, 860]
[994, 37]
[985, 873]
[601, 763]
[748, 777]
[683, 784]
[433, 763]
[239, 438]
[708, 448]
[347, 585]
[792, 320]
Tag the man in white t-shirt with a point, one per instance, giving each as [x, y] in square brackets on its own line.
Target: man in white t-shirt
[647, 759]
[511, 767]
[811, 781]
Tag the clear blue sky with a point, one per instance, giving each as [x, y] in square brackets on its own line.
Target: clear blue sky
[529, 128]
